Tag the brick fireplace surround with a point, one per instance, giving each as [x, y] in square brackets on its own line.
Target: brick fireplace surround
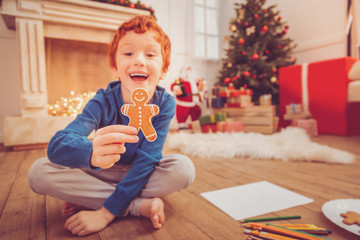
[33, 21]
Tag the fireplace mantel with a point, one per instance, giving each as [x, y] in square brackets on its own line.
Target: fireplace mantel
[35, 20]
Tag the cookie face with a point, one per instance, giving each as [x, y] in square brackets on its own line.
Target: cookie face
[351, 217]
[140, 113]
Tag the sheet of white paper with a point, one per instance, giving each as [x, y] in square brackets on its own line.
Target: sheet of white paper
[254, 199]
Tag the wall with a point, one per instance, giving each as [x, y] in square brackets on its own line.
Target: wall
[316, 26]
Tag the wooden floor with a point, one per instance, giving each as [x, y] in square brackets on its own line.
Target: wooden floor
[25, 215]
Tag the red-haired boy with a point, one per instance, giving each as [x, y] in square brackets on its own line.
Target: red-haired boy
[119, 172]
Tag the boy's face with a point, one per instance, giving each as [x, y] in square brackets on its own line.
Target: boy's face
[138, 63]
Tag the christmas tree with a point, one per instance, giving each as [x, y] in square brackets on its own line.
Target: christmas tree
[257, 49]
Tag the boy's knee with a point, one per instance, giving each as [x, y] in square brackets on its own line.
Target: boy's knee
[185, 170]
[36, 175]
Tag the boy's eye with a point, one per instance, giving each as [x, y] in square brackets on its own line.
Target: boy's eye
[128, 54]
[150, 55]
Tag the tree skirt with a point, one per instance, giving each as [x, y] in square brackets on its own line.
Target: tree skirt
[291, 144]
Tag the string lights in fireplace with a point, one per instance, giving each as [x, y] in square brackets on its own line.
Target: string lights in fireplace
[71, 106]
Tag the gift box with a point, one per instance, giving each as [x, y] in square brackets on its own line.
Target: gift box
[230, 126]
[230, 92]
[215, 102]
[212, 119]
[265, 100]
[208, 128]
[322, 89]
[309, 125]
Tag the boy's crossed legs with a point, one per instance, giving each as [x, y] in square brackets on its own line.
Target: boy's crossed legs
[83, 189]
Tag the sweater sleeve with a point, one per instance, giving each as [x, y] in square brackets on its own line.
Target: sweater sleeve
[148, 155]
[71, 146]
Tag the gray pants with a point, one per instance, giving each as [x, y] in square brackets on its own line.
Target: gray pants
[90, 188]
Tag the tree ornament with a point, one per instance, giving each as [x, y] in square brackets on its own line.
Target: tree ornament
[243, 53]
[273, 79]
[250, 30]
[256, 16]
[278, 46]
[241, 41]
[227, 80]
[232, 28]
[229, 65]
[255, 56]
[264, 29]
[246, 73]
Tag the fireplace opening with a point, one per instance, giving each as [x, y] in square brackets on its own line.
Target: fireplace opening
[75, 67]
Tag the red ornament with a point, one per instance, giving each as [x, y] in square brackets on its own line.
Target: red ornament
[227, 80]
[143, 5]
[255, 56]
[241, 41]
[267, 51]
[246, 24]
[243, 53]
[132, 5]
[245, 86]
[246, 73]
[278, 46]
[256, 16]
[264, 29]
[254, 76]
[121, 1]
[265, 10]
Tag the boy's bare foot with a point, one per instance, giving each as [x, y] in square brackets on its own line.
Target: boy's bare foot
[70, 209]
[153, 208]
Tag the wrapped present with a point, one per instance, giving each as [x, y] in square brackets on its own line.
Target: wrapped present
[239, 99]
[231, 92]
[215, 102]
[294, 108]
[312, 84]
[295, 111]
[230, 126]
[309, 125]
[265, 100]
[208, 128]
[212, 119]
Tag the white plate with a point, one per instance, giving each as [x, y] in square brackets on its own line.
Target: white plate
[333, 208]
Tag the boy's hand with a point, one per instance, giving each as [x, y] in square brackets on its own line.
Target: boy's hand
[87, 222]
[108, 144]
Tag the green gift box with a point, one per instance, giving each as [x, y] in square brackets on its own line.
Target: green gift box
[213, 118]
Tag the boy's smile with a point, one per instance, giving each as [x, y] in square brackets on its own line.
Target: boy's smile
[138, 63]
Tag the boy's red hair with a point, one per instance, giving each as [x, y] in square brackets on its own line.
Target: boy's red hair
[141, 24]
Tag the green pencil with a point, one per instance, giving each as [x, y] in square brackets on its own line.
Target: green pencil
[269, 219]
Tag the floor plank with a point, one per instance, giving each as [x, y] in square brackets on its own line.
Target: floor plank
[22, 217]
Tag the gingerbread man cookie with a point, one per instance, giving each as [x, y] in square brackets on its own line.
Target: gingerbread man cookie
[140, 113]
[351, 217]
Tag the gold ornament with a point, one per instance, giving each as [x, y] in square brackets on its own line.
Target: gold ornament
[233, 28]
[250, 30]
[273, 79]
[229, 65]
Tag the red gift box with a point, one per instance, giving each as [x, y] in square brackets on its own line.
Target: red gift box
[230, 126]
[208, 128]
[322, 88]
[309, 125]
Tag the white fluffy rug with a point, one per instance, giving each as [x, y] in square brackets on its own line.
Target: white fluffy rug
[291, 144]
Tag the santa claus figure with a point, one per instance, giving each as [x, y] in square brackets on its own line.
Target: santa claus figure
[189, 91]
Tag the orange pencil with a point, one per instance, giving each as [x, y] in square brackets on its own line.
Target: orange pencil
[268, 236]
[287, 232]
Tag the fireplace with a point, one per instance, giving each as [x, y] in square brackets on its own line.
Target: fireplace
[62, 46]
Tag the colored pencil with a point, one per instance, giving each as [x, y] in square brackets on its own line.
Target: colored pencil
[268, 236]
[284, 231]
[269, 219]
[304, 234]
